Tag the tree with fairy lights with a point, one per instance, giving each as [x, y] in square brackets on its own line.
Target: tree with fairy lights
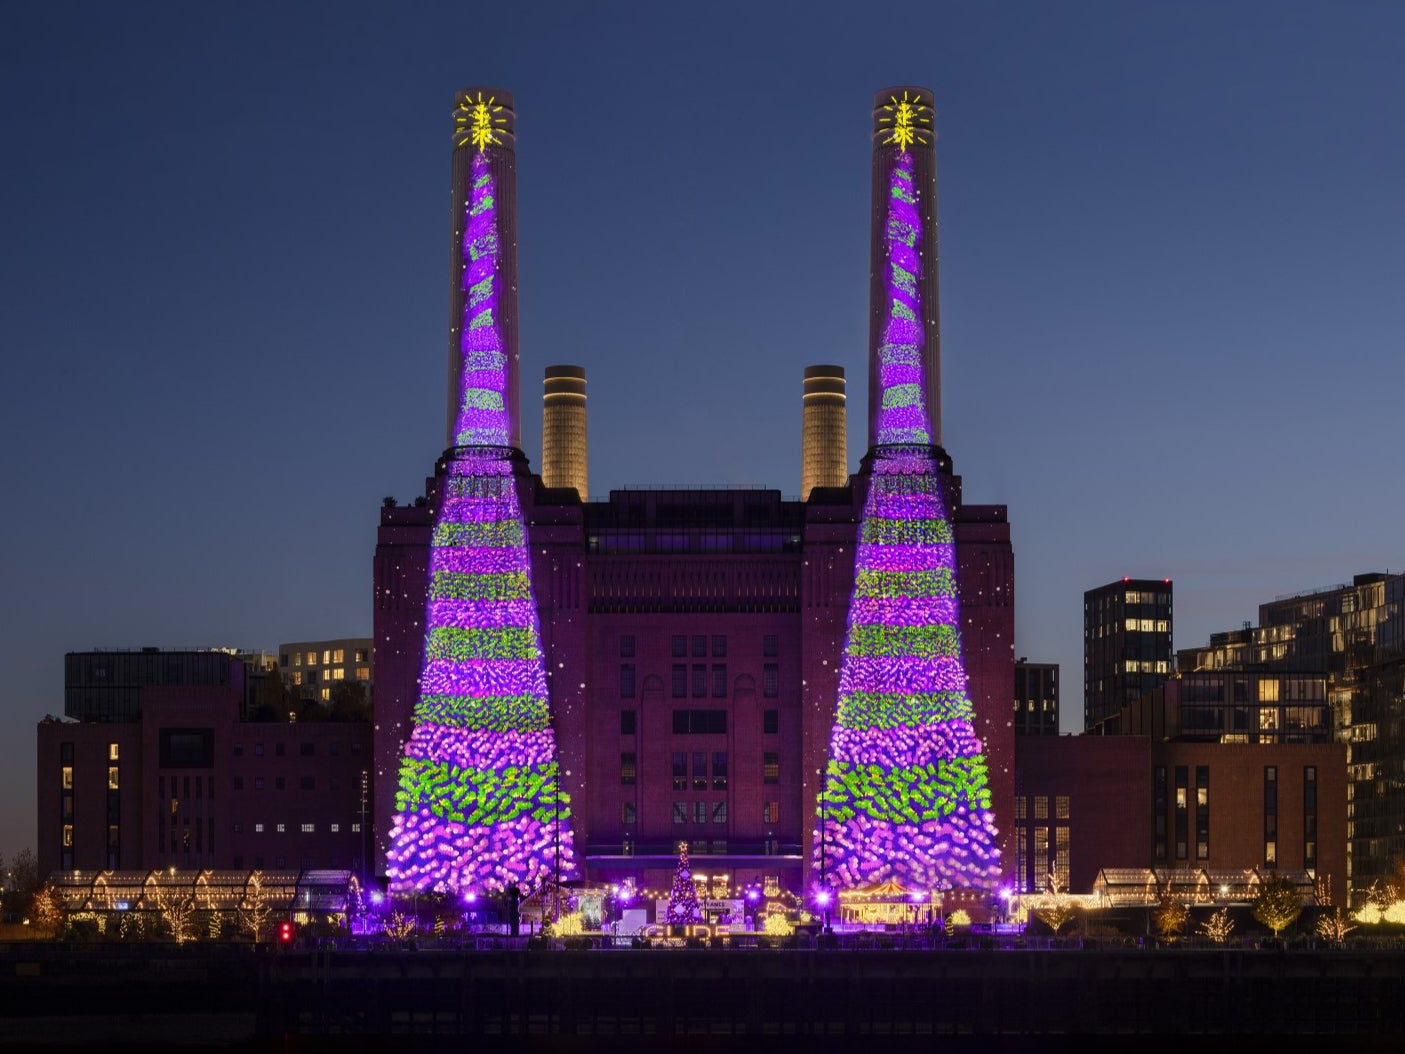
[683, 897]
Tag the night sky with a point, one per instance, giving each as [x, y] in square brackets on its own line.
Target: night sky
[1171, 263]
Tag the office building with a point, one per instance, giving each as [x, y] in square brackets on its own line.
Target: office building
[1036, 698]
[1353, 636]
[312, 668]
[182, 779]
[1126, 644]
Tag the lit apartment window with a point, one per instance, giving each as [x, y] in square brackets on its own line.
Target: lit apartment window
[363, 673]
[362, 655]
[339, 655]
[66, 776]
[258, 828]
[312, 658]
[297, 659]
[326, 694]
[336, 828]
[339, 674]
[282, 828]
[68, 834]
[771, 812]
[112, 752]
[326, 656]
[356, 828]
[309, 828]
[627, 770]
[770, 767]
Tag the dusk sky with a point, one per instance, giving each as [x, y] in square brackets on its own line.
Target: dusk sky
[1172, 262]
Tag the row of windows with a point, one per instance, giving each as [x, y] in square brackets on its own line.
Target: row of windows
[329, 656]
[303, 828]
[698, 645]
[710, 724]
[305, 749]
[702, 812]
[307, 783]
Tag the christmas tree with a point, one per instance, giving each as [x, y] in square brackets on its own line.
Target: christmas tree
[905, 796]
[480, 804]
[683, 897]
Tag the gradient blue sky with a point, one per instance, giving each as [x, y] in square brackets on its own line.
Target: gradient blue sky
[1172, 275]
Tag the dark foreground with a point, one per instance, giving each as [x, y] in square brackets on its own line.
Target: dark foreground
[162, 997]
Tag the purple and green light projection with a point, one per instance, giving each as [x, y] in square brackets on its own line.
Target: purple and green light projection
[905, 796]
[480, 805]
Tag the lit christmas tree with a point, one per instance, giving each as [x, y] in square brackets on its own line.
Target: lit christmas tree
[683, 897]
[480, 805]
[905, 794]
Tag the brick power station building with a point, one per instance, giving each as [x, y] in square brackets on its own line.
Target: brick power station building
[693, 637]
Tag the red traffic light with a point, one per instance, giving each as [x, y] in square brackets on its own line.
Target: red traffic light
[285, 932]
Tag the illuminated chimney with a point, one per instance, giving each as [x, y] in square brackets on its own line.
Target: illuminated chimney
[483, 372]
[905, 364]
[824, 435]
[564, 462]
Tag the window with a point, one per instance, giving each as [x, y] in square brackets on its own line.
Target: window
[719, 646]
[1202, 812]
[362, 655]
[770, 767]
[626, 722]
[627, 680]
[699, 722]
[307, 750]
[680, 646]
[280, 749]
[307, 783]
[279, 783]
[770, 722]
[680, 681]
[356, 828]
[627, 646]
[699, 647]
[680, 812]
[258, 828]
[719, 812]
[112, 752]
[238, 783]
[339, 655]
[627, 770]
[770, 680]
[66, 752]
[238, 750]
[770, 645]
[680, 771]
[66, 777]
[258, 783]
[628, 814]
[281, 828]
[699, 771]
[719, 770]
[1182, 814]
[700, 812]
[699, 680]
[771, 812]
[336, 828]
[309, 828]
[719, 681]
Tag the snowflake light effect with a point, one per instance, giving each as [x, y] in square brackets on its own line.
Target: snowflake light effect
[905, 795]
[480, 806]
[475, 121]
